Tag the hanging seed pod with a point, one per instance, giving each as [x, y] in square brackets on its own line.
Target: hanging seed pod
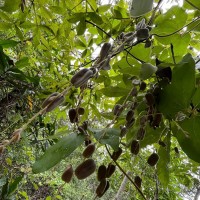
[104, 51]
[2, 148]
[138, 181]
[148, 43]
[101, 187]
[150, 114]
[89, 150]
[49, 99]
[107, 187]
[157, 120]
[123, 132]
[16, 135]
[81, 77]
[116, 154]
[142, 33]
[81, 111]
[55, 102]
[87, 142]
[140, 134]
[130, 123]
[161, 143]
[85, 125]
[143, 86]
[110, 170]
[73, 115]
[85, 169]
[135, 147]
[101, 174]
[149, 99]
[67, 174]
[117, 109]
[153, 159]
[129, 115]
[82, 130]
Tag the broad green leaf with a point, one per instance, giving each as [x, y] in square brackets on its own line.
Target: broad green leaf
[8, 43]
[93, 4]
[196, 98]
[147, 70]
[177, 96]
[95, 18]
[14, 184]
[54, 154]
[4, 26]
[163, 163]
[104, 8]
[141, 7]
[188, 137]
[114, 91]
[107, 136]
[81, 27]
[11, 5]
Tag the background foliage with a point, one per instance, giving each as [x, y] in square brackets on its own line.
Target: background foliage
[44, 43]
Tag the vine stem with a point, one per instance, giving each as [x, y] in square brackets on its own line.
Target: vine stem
[125, 174]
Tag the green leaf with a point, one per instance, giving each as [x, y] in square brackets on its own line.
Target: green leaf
[147, 70]
[188, 137]
[81, 27]
[54, 154]
[114, 91]
[141, 7]
[13, 185]
[8, 43]
[177, 96]
[107, 136]
[163, 163]
[11, 5]
[95, 18]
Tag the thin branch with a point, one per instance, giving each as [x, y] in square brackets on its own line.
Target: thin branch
[154, 34]
[129, 178]
[172, 50]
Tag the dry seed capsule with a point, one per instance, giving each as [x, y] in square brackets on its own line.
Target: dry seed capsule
[135, 147]
[143, 120]
[107, 187]
[101, 174]
[157, 120]
[2, 148]
[110, 170]
[104, 50]
[123, 132]
[140, 134]
[150, 100]
[85, 169]
[81, 111]
[87, 142]
[129, 115]
[78, 75]
[55, 102]
[16, 135]
[73, 115]
[117, 109]
[67, 174]
[153, 159]
[138, 181]
[89, 150]
[85, 125]
[101, 187]
[49, 99]
[82, 130]
[142, 34]
[130, 123]
[134, 92]
[143, 86]
[116, 154]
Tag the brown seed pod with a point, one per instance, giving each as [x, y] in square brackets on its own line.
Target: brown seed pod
[143, 86]
[161, 143]
[134, 92]
[73, 115]
[81, 77]
[140, 134]
[67, 174]
[49, 99]
[143, 120]
[85, 169]
[135, 147]
[138, 181]
[85, 125]
[157, 120]
[16, 135]
[123, 131]
[104, 51]
[153, 159]
[150, 100]
[89, 150]
[82, 130]
[130, 123]
[101, 174]
[81, 111]
[117, 109]
[107, 187]
[2, 148]
[110, 170]
[104, 65]
[101, 187]
[55, 102]
[87, 142]
[116, 154]
[142, 33]
[129, 115]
